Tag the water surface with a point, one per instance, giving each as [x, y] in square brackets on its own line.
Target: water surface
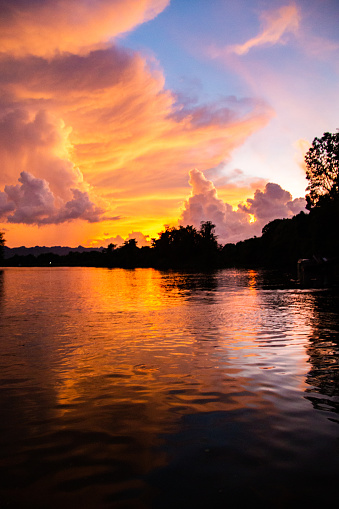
[148, 389]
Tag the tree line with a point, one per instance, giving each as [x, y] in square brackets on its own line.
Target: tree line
[2, 244]
[182, 247]
[306, 235]
[282, 243]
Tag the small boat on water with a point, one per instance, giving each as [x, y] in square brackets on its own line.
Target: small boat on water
[318, 270]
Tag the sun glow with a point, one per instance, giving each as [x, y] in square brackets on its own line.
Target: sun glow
[97, 136]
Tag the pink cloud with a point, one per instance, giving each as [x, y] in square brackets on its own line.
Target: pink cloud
[37, 142]
[205, 205]
[32, 202]
[80, 207]
[6, 205]
[96, 126]
[235, 225]
[273, 202]
[121, 135]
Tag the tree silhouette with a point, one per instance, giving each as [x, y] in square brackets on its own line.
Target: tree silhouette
[2, 243]
[128, 254]
[207, 234]
[110, 248]
[176, 246]
[185, 247]
[322, 170]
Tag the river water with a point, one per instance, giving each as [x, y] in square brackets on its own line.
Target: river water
[149, 389]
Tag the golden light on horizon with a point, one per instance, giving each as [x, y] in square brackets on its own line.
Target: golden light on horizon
[99, 136]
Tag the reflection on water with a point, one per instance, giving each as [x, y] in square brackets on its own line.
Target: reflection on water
[140, 388]
[323, 352]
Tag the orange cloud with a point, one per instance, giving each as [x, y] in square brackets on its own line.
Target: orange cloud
[275, 25]
[301, 147]
[95, 133]
[52, 26]
[120, 135]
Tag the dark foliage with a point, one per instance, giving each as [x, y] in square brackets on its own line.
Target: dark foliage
[282, 244]
[185, 247]
[2, 244]
[182, 247]
[322, 170]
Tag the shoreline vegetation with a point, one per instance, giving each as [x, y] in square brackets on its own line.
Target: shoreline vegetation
[311, 235]
[283, 242]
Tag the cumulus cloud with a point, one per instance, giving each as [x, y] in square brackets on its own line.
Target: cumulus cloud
[276, 24]
[80, 207]
[205, 205]
[5, 204]
[142, 240]
[37, 142]
[273, 202]
[118, 240]
[244, 222]
[32, 202]
[124, 118]
[88, 118]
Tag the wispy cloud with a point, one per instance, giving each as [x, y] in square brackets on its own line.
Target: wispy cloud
[87, 126]
[276, 24]
[120, 135]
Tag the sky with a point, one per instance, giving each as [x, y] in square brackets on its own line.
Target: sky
[119, 117]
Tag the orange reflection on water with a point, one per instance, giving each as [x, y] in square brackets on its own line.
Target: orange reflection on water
[252, 279]
[103, 389]
[130, 289]
[143, 337]
[126, 332]
[159, 330]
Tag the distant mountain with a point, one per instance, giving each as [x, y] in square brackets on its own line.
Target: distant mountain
[38, 250]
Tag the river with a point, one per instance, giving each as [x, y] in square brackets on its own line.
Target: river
[149, 389]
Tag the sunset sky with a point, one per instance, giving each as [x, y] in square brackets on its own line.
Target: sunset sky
[121, 116]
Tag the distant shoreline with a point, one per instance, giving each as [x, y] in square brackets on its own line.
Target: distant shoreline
[38, 250]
